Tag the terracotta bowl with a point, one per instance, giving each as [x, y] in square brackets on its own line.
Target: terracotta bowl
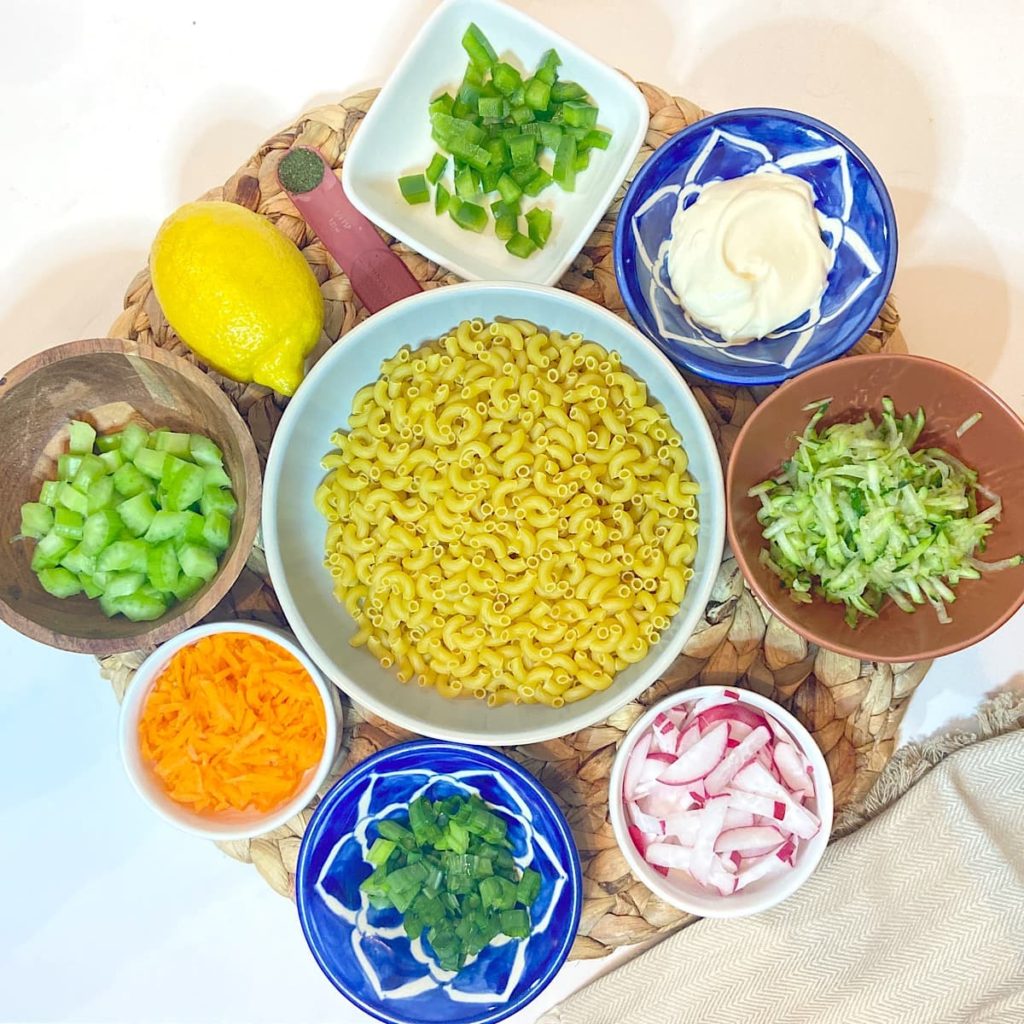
[109, 382]
[994, 447]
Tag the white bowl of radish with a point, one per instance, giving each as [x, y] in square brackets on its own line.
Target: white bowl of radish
[721, 801]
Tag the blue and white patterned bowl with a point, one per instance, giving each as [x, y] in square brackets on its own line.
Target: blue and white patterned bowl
[365, 952]
[860, 229]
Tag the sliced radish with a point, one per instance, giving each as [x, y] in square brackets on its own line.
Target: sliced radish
[750, 842]
[668, 855]
[687, 738]
[665, 734]
[635, 765]
[755, 778]
[711, 822]
[697, 792]
[790, 816]
[720, 777]
[731, 712]
[738, 819]
[763, 867]
[654, 764]
[663, 801]
[647, 823]
[792, 770]
[700, 759]
[684, 826]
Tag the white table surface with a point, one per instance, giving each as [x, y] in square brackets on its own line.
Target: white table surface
[115, 113]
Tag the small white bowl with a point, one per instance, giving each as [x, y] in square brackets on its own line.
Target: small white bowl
[760, 895]
[394, 139]
[233, 825]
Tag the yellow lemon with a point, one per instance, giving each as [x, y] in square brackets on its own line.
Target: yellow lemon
[237, 292]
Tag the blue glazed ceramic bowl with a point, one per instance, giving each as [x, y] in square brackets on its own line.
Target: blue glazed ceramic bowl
[365, 952]
[860, 229]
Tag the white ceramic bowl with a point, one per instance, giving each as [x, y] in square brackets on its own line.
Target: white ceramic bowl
[234, 825]
[394, 139]
[760, 895]
[293, 529]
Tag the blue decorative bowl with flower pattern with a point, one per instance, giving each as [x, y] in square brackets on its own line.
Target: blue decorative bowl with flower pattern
[366, 953]
[859, 226]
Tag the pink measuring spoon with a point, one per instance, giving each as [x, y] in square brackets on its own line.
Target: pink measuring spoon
[377, 275]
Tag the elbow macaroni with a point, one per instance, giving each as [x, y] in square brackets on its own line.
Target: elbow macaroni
[510, 515]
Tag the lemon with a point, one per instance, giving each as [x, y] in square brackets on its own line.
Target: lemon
[237, 292]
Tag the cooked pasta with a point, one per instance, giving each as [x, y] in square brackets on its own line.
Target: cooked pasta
[510, 516]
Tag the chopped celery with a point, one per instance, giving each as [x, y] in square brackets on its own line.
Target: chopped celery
[195, 523]
[101, 495]
[165, 525]
[109, 605]
[91, 588]
[81, 437]
[100, 529]
[50, 550]
[67, 466]
[162, 566]
[538, 223]
[72, 499]
[133, 440]
[49, 493]
[197, 560]
[67, 523]
[414, 189]
[137, 514]
[184, 484]
[216, 532]
[123, 555]
[36, 519]
[142, 606]
[521, 246]
[90, 469]
[112, 460]
[79, 560]
[108, 442]
[476, 44]
[59, 582]
[128, 481]
[187, 586]
[438, 162]
[151, 462]
[175, 444]
[121, 584]
[204, 451]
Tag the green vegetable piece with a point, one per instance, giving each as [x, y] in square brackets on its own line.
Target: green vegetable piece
[515, 923]
[67, 523]
[506, 226]
[497, 893]
[217, 532]
[489, 179]
[178, 444]
[521, 245]
[108, 442]
[442, 197]
[109, 605]
[67, 466]
[187, 586]
[522, 115]
[414, 189]
[218, 499]
[162, 566]
[539, 226]
[73, 499]
[492, 106]
[379, 853]
[465, 186]
[540, 181]
[215, 476]
[501, 208]
[578, 114]
[141, 606]
[112, 460]
[184, 484]
[476, 44]
[522, 176]
[564, 171]
[49, 493]
[89, 585]
[59, 582]
[564, 91]
[197, 560]
[508, 189]
[90, 469]
[523, 149]
[128, 481]
[79, 561]
[137, 514]
[204, 451]
[528, 888]
[165, 525]
[465, 108]
[133, 440]
[50, 550]
[468, 215]
[36, 519]
[442, 104]
[456, 129]
[100, 529]
[102, 495]
[506, 78]
[596, 138]
[474, 75]
[537, 94]
[582, 161]
[150, 462]
[81, 437]
[123, 556]
[547, 69]
[438, 162]
[121, 584]
[550, 135]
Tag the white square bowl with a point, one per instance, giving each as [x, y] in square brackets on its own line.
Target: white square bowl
[394, 139]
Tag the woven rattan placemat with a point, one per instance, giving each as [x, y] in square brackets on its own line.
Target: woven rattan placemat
[853, 708]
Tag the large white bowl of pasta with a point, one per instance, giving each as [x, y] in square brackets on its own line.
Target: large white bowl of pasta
[493, 513]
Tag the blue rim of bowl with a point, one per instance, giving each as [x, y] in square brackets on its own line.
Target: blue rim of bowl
[492, 759]
[711, 371]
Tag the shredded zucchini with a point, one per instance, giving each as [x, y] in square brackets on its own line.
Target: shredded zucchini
[857, 516]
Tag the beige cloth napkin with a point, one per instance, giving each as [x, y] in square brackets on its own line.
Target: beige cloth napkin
[916, 917]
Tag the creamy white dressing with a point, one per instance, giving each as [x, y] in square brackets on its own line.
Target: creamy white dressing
[747, 256]
[436, 977]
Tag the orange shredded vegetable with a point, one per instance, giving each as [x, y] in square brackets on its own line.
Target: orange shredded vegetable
[233, 722]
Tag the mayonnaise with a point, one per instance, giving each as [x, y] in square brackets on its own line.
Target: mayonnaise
[747, 256]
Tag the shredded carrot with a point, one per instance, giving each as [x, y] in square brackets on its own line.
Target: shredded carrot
[233, 722]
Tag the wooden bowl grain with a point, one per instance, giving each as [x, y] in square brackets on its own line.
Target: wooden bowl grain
[994, 447]
[109, 382]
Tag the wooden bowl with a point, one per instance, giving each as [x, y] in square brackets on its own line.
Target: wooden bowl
[994, 447]
[109, 382]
